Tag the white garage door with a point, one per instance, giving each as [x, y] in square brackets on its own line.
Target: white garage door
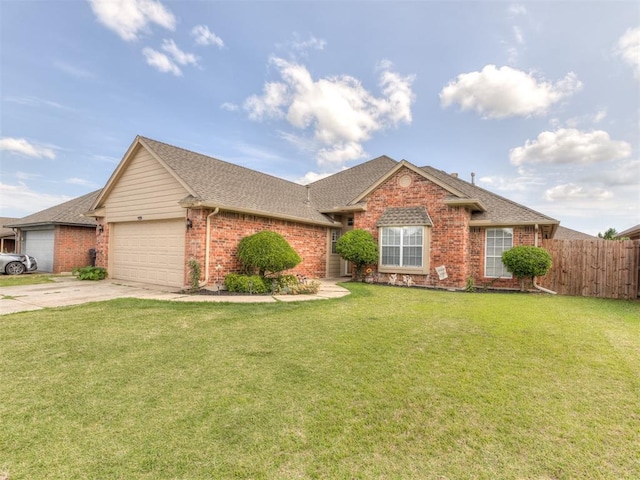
[150, 252]
[39, 244]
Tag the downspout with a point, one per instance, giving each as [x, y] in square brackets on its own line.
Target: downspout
[542, 289]
[207, 248]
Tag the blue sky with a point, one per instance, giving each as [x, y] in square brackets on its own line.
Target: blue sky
[540, 99]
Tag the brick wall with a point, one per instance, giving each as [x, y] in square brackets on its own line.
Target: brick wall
[522, 235]
[228, 228]
[449, 245]
[71, 247]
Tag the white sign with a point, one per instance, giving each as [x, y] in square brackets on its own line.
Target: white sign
[442, 272]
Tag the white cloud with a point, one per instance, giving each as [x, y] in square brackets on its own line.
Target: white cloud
[73, 70]
[570, 146]
[178, 55]
[130, 18]
[626, 173]
[311, 177]
[203, 36]
[575, 192]
[629, 49]
[517, 35]
[20, 199]
[80, 181]
[339, 110]
[161, 62]
[506, 92]
[599, 115]
[517, 9]
[230, 107]
[311, 43]
[275, 96]
[36, 102]
[21, 146]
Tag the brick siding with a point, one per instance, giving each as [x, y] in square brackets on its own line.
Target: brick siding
[453, 243]
[228, 228]
[71, 247]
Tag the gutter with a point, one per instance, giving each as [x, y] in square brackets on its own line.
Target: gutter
[542, 289]
[207, 248]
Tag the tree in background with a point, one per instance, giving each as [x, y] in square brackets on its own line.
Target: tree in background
[358, 247]
[611, 234]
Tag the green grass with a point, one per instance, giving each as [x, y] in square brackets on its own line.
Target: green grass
[26, 279]
[386, 383]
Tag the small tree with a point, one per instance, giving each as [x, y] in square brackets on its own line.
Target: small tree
[527, 261]
[611, 234]
[268, 252]
[358, 247]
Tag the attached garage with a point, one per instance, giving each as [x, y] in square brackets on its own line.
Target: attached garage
[149, 252]
[40, 244]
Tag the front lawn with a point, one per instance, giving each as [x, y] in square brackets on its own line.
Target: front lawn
[389, 382]
[25, 279]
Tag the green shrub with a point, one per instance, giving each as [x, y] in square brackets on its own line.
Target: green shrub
[236, 282]
[267, 252]
[527, 261]
[358, 247]
[90, 273]
[194, 275]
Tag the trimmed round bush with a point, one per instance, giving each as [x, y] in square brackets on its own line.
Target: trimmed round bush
[527, 261]
[358, 247]
[268, 252]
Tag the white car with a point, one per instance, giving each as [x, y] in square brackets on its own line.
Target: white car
[17, 264]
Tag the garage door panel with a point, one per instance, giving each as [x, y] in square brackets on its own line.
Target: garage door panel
[150, 252]
[39, 244]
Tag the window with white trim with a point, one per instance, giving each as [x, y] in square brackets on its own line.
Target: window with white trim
[498, 240]
[402, 247]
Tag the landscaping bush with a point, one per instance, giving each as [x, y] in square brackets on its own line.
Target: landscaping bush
[236, 282]
[267, 252]
[527, 261]
[290, 284]
[358, 247]
[90, 273]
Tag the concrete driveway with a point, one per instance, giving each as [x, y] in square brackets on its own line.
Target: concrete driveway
[71, 291]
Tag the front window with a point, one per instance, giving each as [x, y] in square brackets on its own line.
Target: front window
[402, 247]
[498, 240]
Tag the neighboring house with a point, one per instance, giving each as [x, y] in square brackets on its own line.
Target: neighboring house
[59, 237]
[632, 233]
[164, 206]
[7, 236]
[564, 233]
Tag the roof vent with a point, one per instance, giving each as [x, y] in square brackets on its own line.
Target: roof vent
[473, 178]
[454, 174]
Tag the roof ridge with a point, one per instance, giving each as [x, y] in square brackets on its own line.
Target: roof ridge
[474, 186]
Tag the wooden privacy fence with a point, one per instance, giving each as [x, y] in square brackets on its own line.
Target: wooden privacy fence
[594, 268]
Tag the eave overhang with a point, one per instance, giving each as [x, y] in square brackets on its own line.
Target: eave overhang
[197, 203]
[472, 204]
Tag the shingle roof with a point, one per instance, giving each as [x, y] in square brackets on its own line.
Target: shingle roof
[564, 233]
[341, 188]
[214, 182]
[5, 231]
[630, 232]
[404, 216]
[67, 213]
[230, 186]
[499, 210]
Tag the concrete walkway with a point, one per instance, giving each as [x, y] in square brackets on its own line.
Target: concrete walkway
[71, 291]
